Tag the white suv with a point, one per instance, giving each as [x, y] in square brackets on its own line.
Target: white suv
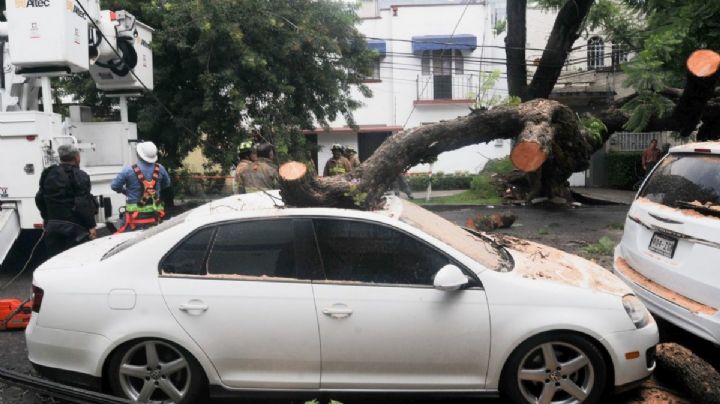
[670, 252]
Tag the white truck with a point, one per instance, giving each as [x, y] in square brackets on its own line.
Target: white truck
[42, 39]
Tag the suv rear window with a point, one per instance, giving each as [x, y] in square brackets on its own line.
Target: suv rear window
[687, 181]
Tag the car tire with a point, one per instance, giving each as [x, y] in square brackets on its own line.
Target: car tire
[154, 370]
[555, 368]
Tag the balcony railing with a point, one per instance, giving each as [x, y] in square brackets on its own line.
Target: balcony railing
[460, 87]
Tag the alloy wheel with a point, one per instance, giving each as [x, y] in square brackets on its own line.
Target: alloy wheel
[555, 373]
[153, 371]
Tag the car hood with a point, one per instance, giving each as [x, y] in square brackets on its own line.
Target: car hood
[85, 253]
[539, 262]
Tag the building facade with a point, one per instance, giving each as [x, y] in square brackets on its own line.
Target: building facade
[431, 62]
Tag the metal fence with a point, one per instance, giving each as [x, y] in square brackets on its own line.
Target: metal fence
[450, 87]
[628, 141]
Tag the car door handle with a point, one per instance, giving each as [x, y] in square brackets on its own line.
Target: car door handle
[193, 307]
[337, 311]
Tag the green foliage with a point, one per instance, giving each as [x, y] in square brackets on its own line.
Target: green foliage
[484, 100]
[616, 226]
[500, 26]
[595, 127]
[359, 198]
[468, 197]
[439, 182]
[498, 166]
[624, 169]
[484, 187]
[228, 67]
[604, 246]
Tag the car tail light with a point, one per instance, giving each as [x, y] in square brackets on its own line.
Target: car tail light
[703, 151]
[38, 295]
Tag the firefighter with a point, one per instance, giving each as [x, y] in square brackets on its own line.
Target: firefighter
[253, 173]
[141, 183]
[66, 205]
[337, 164]
[351, 154]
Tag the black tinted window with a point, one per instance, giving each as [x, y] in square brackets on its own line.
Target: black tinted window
[365, 252]
[685, 181]
[189, 256]
[254, 248]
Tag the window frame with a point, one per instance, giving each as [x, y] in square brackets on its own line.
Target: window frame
[228, 277]
[475, 282]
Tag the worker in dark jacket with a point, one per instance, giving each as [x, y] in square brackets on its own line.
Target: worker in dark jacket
[66, 205]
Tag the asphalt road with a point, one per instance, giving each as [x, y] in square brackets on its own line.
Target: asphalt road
[568, 229]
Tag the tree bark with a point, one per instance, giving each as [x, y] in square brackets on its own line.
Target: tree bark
[679, 365]
[515, 42]
[565, 32]
[702, 66]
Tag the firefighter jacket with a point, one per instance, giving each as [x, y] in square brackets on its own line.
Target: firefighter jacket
[253, 176]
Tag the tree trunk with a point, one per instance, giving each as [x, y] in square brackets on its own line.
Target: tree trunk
[702, 66]
[565, 32]
[515, 48]
[679, 365]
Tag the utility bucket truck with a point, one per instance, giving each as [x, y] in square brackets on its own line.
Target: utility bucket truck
[42, 39]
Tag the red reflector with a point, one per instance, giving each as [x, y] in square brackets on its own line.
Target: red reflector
[113, 16]
[38, 225]
[38, 295]
[703, 151]
[31, 138]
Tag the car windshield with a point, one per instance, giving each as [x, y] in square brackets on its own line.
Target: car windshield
[481, 250]
[687, 181]
[146, 234]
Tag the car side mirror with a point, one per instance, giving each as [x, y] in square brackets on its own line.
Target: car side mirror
[449, 278]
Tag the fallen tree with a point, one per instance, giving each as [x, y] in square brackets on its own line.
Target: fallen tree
[568, 149]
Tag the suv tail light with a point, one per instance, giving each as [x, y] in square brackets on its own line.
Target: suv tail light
[38, 295]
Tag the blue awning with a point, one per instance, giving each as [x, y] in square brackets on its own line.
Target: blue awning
[378, 45]
[440, 42]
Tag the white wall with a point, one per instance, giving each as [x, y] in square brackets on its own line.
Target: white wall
[393, 98]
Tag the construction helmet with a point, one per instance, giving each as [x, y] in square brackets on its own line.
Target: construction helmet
[147, 151]
[245, 146]
[350, 149]
[337, 146]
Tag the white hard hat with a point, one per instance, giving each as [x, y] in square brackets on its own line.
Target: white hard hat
[147, 151]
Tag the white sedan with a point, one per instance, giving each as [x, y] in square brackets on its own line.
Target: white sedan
[244, 295]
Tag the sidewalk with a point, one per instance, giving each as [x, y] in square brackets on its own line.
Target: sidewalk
[606, 195]
[436, 194]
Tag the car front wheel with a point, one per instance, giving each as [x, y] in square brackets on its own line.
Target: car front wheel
[555, 368]
[155, 371]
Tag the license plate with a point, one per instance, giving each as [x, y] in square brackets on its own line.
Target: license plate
[663, 245]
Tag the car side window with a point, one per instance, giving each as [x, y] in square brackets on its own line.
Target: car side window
[254, 248]
[188, 258]
[371, 253]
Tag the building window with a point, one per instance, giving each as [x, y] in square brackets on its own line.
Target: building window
[595, 53]
[459, 64]
[375, 72]
[619, 56]
[425, 63]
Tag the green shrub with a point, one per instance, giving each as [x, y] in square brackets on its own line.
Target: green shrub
[498, 166]
[439, 182]
[484, 187]
[604, 246]
[624, 169]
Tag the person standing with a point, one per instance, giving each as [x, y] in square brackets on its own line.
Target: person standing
[267, 167]
[66, 203]
[337, 164]
[142, 183]
[650, 156]
[252, 174]
[351, 155]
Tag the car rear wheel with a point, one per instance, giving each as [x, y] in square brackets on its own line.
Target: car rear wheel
[557, 369]
[155, 371]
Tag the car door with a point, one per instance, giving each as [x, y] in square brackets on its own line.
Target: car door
[383, 325]
[241, 301]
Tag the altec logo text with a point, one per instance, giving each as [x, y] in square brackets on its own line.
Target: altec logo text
[32, 3]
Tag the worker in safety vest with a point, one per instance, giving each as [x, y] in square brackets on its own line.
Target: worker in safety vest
[337, 164]
[142, 183]
[252, 173]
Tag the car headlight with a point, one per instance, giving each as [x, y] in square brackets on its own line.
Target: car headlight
[636, 310]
